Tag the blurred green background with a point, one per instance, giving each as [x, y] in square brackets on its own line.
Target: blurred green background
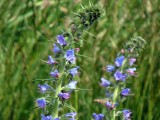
[27, 28]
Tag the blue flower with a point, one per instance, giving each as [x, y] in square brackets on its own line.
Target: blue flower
[72, 85]
[48, 117]
[125, 92]
[41, 103]
[109, 105]
[72, 115]
[120, 76]
[110, 68]
[54, 73]
[105, 83]
[98, 116]
[64, 96]
[44, 88]
[74, 71]
[132, 61]
[119, 61]
[61, 40]
[57, 119]
[56, 49]
[131, 71]
[70, 56]
[126, 114]
[51, 60]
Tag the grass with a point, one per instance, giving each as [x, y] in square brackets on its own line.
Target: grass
[27, 29]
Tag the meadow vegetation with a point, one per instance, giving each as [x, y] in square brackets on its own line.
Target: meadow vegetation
[28, 29]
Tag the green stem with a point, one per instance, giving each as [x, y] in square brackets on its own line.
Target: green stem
[116, 92]
[58, 89]
[56, 101]
[117, 89]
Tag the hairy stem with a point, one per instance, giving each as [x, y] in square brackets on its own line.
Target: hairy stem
[116, 92]
[56, 101]
[58, 90]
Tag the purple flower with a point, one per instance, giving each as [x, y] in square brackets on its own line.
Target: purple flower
[98, 116]
[70, 56]
[51, 60]
[125, 92]
[44, 88]
[119, 61]
[132, 61]
[110, 68]
[72, 85]
[48, 117]
[72, 115]
[127, 114]
[64, 96]
[74, 71]
[41, 103]
[131, 71]
[109, 105]
[56, 49]
[54, 73]
[105, 83]
[61, 40]
[57, 119]
[120, 76]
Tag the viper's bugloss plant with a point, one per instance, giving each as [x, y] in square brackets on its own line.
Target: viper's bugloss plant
[121, 71]
[64, 69]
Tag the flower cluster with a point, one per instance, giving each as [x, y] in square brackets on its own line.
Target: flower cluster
[63, 66]
[68, 70]
[98, 116]
[122, 69]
